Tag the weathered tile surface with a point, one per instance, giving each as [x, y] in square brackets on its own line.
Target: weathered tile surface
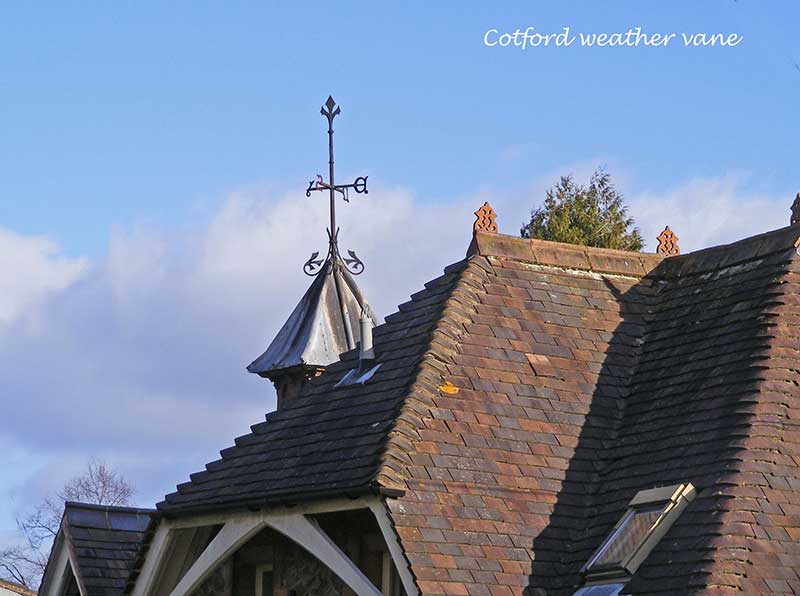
[582, 376]
[328, 441]
[105, 542]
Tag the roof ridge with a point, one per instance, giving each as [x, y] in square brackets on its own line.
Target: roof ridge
[561, 254]
[723, 256]
[357, 420]
[418, 396]
[632, 263]
[116, 508]
[776, 344]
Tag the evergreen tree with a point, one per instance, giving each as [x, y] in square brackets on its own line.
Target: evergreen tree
[593, 215]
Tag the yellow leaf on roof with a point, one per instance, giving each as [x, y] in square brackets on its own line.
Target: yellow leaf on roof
[448, 388]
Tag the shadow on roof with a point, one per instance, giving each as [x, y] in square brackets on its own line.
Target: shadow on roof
[686, 399]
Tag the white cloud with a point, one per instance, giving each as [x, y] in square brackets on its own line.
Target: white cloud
[32, 269]
[139, 356]
[703, 212]
[708, 211]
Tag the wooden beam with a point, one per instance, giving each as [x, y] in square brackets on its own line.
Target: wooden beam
[292, 523]
[378, 508]
[386, 574]
[154, 561]
[232, 535]
[58, 571]
[309, 535]
[73, 558]
[331, 506]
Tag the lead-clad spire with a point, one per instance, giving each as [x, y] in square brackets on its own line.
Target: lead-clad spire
[325, 323]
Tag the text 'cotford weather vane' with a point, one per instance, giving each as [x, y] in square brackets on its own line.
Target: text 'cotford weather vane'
[353, 264]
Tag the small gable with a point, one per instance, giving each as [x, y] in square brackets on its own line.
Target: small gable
[95, 550]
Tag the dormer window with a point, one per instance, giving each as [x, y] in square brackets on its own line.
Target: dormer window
[650, 514]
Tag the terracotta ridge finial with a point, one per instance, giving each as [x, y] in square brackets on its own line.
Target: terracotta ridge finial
[485, 219]
[668, 243]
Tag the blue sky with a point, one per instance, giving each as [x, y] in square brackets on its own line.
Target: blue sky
[153, 159]
[128, 111]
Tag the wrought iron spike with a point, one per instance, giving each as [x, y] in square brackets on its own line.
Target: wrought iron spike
[328, 109]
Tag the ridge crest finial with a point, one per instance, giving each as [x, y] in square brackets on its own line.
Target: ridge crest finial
[485, 219]
[668, 243]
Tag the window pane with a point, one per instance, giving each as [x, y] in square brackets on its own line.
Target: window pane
[627, 537]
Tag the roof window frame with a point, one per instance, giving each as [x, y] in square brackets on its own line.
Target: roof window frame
[607, 589]
[673, 500]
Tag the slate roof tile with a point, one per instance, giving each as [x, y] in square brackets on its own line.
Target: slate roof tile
[105, 542]
[584, 375]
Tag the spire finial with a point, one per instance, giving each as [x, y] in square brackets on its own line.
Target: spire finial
[485, 219]
[353, 264]
[795, 211]
[668, 243]
[330, 113]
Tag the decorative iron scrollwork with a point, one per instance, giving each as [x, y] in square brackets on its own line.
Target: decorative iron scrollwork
[315, 185]
[354, 264]
[313, 265]
[360, 185]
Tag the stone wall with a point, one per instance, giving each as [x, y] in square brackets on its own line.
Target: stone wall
[219, 583]
[304, 575]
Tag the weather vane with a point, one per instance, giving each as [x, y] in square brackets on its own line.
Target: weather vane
[353, 264]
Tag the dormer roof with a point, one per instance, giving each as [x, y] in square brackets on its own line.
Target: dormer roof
[96, 548]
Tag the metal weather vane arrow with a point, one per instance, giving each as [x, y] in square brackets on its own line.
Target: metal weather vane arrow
[353, 264]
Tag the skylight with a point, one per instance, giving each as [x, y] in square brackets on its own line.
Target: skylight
[626, 537]
[650, 514]
[357, 376]
[600, 590]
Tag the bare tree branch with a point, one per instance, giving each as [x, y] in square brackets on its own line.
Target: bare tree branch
[14, 565]
[99, 485]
